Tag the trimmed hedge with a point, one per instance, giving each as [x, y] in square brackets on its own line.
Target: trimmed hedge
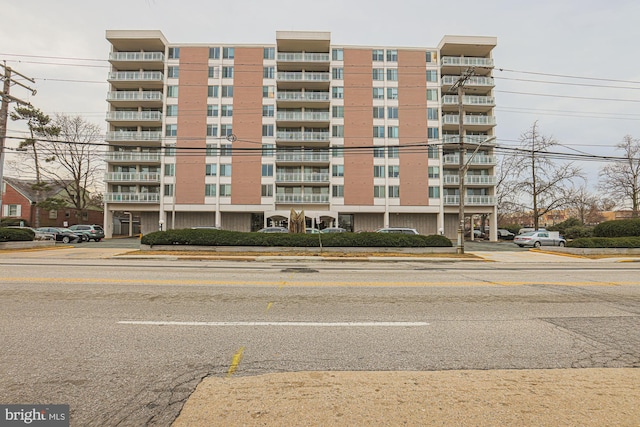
[605, 242]
[618, 228]
[204, 237]
[16, 235]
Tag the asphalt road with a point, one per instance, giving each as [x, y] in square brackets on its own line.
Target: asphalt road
[125, 342]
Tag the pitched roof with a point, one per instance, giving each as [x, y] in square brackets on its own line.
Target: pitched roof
[25, 187]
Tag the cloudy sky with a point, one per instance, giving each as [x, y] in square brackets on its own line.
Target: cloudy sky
[571, 65]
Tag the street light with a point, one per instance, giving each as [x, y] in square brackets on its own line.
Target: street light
[464, 166]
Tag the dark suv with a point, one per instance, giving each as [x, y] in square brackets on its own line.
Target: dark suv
[96, 232]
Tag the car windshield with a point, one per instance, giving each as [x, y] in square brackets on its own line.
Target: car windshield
[528, 233]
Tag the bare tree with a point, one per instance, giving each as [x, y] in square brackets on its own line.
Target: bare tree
[541, 183]
[587, 206]
[622, 178]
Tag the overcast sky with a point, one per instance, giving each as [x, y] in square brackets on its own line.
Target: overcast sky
[541, 44]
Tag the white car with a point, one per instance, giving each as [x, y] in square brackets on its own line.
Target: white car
[398, 230]
[535, 239]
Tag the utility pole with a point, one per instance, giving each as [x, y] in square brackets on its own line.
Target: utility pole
[4, 112]
[459, 86]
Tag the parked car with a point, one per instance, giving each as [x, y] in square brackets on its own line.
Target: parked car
[95, 232]
[333, 230]
[398, 230]
[504, 234]
[536, 239]
[528, 230]
[274, 230]
[312, 230]
[39, 235]
[63, 235]
[206, 227]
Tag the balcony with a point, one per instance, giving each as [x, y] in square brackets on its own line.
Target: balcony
[132, 197]
[470, 103]
[119, 136]
[475, 122]
[302, 157]
[302, 198]
[302, 57]
[465, 62]
[474, 83]
[302, 136]
[135, 97]
[134, 79]
[134, 117]
[471, 180]
[308, 118]
[477, 160]
[468, 139]
[131, 157]
[306, 79]
[470, 200]
[307, 178]
[137, 60]
[153, 177]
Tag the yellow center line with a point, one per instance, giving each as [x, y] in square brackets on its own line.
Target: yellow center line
[235, 361]
[268, 306]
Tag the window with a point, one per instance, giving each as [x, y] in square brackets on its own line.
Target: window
[170, 150]
[392, 152]
[337, 111]
[227, 91]
[268, 111]
[337, 170]
[269, 72]
[172, 110]
[431, 56]
[266, 190]
[392, 74]
[225, 190]
[269, 53]
[432, 76]
[211, 169]
[392, 112]
[225, 170]
[227, 111]
[337, 54]
[210, 190]
[227, 72]
[432, 113]
[378, 112]
[267, 170]
[377, 55]
[337, 92]
[434, 192]
[338, 191]
[13, 210]
[173, 72]
[432, 152]
[378, 74]
[378, 152]
[432, 94]
[212, 130]
[394, 191]
[434, 172]
[378, 131]
[337, 73]
[432, 133]
[225, 149]
[228, 53]
[392, 55]
[212, 111]
[168, 189]
[378, 93]
[226, 130]
[212, 91]
[267, 130]
[337, 131]
[378, 171]
[392, 131]
[53, 214]
[378, 191]
[169, 169]
[337, 151]
[172, 91]
[214, 72]
[171, 130]
[174, 53]
[211, 150]
[268, 91]
[268, 150]
[214, 53]
[392, 93]
[394, 171]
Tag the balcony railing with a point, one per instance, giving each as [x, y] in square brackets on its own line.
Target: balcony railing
[131, 76]
[471, 81]
[305, 156]
[304, 77]
[142, 116]
[478, 159]
[468, 139]
[132, 197]
[302, 198]
[488, 101]
[311, 116]
[134, 136]
[466, 61]
[453, 119]
[134, 95]
[132, 177]
[470, 179]
[303, 136]
[137, 56]
[126, 156]
[470, 200]
[302, 57]
[302, 177]
[303, 96]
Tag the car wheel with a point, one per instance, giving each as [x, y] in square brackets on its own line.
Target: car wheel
[65, 239]
[561, 244]
[536, 245]
[522, 246]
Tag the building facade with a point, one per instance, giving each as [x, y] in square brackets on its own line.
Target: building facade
[239, 135]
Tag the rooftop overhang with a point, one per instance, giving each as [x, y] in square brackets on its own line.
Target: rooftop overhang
[137, 40]
[479, 46]
[303, 41]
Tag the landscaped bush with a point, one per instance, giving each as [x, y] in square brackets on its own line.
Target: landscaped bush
[577, 232]
[566, 225]
[15, 222]
[16, 235]
[618, 228]
[203, 237]
[605, 242]
[514, 228]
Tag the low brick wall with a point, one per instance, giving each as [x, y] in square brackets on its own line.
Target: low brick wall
[280, 249]
[27, 245]
[593, 251]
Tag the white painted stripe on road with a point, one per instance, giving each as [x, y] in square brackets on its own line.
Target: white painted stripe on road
[312, 324]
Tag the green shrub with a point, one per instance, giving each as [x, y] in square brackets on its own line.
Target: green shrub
[205, 237]
[14, 222]
[16, 235]
[566, 225]
[577, 232]
[606, 242]
[514, 228]
[618, 228]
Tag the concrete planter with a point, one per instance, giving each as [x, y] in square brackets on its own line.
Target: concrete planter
[280, 249]
[27, 245]
[593, 251]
